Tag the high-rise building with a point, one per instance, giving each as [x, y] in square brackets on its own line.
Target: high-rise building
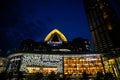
[104, 24]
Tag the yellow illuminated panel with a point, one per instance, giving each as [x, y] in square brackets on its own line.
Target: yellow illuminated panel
[43, 70]
[111, 61]
[109, 65]
[53, 32]
[49, 70]
[33, 69]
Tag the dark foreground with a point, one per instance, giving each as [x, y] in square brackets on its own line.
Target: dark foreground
[53, 76]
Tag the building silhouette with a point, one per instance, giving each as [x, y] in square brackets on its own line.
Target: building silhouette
[104, 25]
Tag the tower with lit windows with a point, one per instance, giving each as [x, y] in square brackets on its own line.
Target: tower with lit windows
[104, 24]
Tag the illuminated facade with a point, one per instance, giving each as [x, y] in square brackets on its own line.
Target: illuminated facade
[32, 62]
[57, 62]
[57, 54]
[104, 24]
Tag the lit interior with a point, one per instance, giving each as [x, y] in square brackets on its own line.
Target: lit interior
[77, 65]
[49, 70]
[33, 69]
[109, 65]
[43, 70]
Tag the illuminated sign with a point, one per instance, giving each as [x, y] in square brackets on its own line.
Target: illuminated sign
[42, 60]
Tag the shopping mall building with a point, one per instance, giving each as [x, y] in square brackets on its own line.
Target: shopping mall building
[58, 54]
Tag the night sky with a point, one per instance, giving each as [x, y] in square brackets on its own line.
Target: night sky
[34, 19]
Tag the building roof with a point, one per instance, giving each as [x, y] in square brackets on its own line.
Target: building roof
[54, 35]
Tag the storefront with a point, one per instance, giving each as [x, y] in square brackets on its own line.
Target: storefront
[77, 65]
[112, 65]
[59, 63]
[32, 63]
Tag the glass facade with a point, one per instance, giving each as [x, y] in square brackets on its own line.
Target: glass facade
[78, 65]
[112, 65]
[65, 63]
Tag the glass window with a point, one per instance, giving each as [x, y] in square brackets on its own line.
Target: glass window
[77, 65]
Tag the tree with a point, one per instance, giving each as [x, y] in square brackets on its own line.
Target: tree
[108, 76]
[99, 76]
[3, 76]
[85, 75]
[20, 75]
[39, 76]
[52, 76]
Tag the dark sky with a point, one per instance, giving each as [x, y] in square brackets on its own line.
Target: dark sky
[34, 19]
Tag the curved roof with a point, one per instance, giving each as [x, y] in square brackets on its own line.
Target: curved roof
[55, 32]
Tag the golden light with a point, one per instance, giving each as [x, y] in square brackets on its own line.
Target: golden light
[53, 32]
[111, 61]
[78, 65]
[109, 27]
[33, 69]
